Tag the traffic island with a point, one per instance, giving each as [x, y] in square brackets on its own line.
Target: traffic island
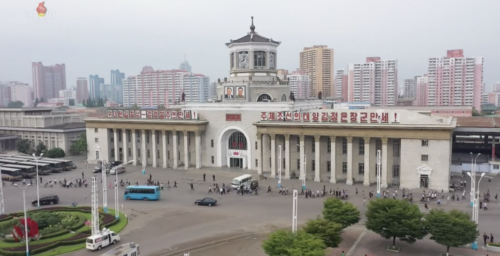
[53, 230]
[493, 247]
[393, 249]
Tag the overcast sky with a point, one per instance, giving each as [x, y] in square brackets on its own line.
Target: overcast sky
[95, 36]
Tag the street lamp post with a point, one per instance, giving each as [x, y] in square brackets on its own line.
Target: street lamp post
[475, 208]
[117, 206]
[104, 191]
[305, 165]
[279, 167]
[25, 218]
[37, 180]
[294, 211]
[379, 158]
[473, 178]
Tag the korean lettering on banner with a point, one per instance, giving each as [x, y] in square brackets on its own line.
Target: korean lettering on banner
[363, 117]
[384, 117]
[115, 113]
[162, 114]
[132, 114]
[354, 117]
[343, 117]
[373, 118]
[315, 117]
[168, 114]
[324, 117]
[334, 117]
[180, 115]
[155, 114]
[306, 117]
[263, 116]
[120, 113]
[125, 113]
[187, 114]
[279, 116]
[296, 116]
[150, 114]
[174, 114]
[110, 113]
[140, 114]
[194, 115]
[272, 116]
[288, 116]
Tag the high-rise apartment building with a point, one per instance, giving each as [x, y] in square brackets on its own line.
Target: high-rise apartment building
[185, 66]
[82, 89]
[421, 87]
[164, 87]
[5, 95]
[341, 84]
[496, 87]
[317, 62]
[48, 80]
[375, 82]
[95, 83]
[455, 80]
[300, 84]
[68, 93]
[409, 88]
[21, 92]
[112, 92]
[117, 77]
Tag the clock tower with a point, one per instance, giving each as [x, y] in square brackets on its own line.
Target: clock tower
[252, 69]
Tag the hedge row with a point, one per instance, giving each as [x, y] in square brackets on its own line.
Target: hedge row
[78, 239]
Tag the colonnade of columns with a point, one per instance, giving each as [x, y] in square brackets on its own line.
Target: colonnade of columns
[156, 144]
[346, 154]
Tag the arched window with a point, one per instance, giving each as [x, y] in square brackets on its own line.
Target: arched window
[264, 98]
[283, 97]
[259, 59]
[238, 141]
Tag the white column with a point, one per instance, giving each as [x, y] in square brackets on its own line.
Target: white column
[302, 154]
[349, 161]
[153, 141]
[259, 153]
[287, 157]
[125, 146]
[164, 144]
[175, 148]
[333, 161]
[198, 149]
[366, 179]
[115, 140]
[186, 151]
[143, 149]
[273, 155]
[133, 133]
[384, 163]
[317, 152]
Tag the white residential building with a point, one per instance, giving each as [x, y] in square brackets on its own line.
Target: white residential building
[21, 92]
[421, 85]
[68, 93]
[300, 84]
[409, 89]
[341, 84]
[129, 91]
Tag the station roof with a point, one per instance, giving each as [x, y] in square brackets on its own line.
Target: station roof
[478, 122]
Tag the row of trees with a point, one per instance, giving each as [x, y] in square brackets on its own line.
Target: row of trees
[26, 147]
[389, 218]
[79, 146]
[94, 103]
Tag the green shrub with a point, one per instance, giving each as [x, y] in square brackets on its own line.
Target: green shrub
[494, 244]
[55, 234]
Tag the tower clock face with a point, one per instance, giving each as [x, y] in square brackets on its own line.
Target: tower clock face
[243, 57]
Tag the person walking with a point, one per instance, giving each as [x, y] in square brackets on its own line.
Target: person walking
[485, 238]
[491, 238]
[209, 190]
[83, 176]
[213, 176]
[175, 184]
[204, 177]
[192, 186]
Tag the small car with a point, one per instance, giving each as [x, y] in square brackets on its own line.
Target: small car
[206, 201]
[47, 199]
[120, 169]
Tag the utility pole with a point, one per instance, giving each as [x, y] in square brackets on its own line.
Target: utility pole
[294, 211]
[279, 167]
[95, 207]
[379, 160]
[104, 192]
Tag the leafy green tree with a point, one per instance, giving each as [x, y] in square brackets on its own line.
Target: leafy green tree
[71, 102]
[40, 148]
[135, 106]
[328, 231]
[286, 243]
[79, 146]
[36, 102]
[24, 146]
[15, 104]
[55, 153]
[42, 100]
[451, 229]
[338, 211]
[395, 219]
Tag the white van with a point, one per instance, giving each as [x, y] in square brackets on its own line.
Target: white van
[244, 180]
[128, 249]
[99, 241]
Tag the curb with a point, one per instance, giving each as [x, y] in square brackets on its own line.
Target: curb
[355, 245]
[195, 248]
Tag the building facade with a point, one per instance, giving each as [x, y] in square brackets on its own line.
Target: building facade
[317, 62]
[409, 88]
[300, 84]
[21, 92]
[5, 95]
[82, 89]
[112, 92]
[68, 93]
[95, 83]
[185, 66]
[342, 84]
[455, 80]
[421, 90]
[117, 77]
[48, 80]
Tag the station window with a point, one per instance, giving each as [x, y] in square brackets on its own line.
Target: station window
[96, 139]
[361, 148]
[313, 162]
[361, 168]
[425, 143]
[298, 164]
[256, 145]
[425, 157]
[96, 129]
[496, 166]
[212, 143]
[344, 167]
[329, 145]
[344, 146]
[328, 166]
[148, 153]
[256, 162]
[213, 159]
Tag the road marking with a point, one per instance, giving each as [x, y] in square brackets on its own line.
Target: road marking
[355, 245]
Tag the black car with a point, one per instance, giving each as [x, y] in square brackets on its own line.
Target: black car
[47, 199]
[206, 201]
[115, 163]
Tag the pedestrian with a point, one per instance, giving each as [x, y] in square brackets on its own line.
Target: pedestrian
[150, 177]
[209, 190]
[342, 254]
[83, 175]
[364, 201]
[269, 189]
[356, 191]
[485, 238]
[204, 177]
[485, 206]
[265, 176]
[192, 186]
[175, 184]
[491, 238]
[41, 180]
[213, 176]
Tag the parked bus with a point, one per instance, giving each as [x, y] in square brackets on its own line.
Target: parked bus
[9, 161]
[11, 174]
[55, 166]
[43, 169]
[142, 193]
[67, 164]
[27, 171]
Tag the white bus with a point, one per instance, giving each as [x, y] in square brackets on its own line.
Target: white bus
[244, 180]
[128, 249]
[105, 238]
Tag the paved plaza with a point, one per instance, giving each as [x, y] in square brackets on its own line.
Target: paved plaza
[175, 223]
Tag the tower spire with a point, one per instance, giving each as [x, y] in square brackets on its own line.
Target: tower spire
[252, 27]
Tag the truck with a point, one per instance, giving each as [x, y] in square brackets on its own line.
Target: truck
[128, 249]
[104, 238]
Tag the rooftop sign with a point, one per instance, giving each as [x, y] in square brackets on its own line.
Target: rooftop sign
[333, 116]
[153, 114]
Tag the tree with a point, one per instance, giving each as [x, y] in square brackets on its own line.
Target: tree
[340, 212]
[135, 106]
[83, 103]
[42, 100]
[24, 146]
[55, 153]
[450, 229]
[71, 102]
[15, 104]
[286, 243]
[328, 231]
[395, 218]
[79, 146]
[36, 102]
[40, 148]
